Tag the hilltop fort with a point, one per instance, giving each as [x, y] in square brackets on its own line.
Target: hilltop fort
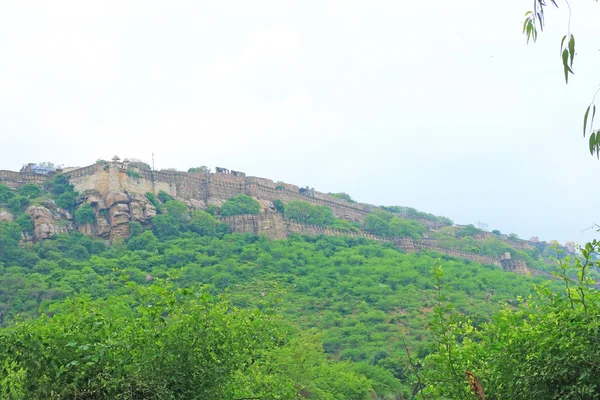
[117, 192]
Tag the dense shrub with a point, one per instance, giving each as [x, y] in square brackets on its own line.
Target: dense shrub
[308, 213]
[5, 193]
[85, 214]
[279, 206]
[30, 191]
[239, 205]
[164, 196]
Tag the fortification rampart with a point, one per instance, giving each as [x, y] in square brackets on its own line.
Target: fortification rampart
[275, 226]
[15, 180]
[212, 188]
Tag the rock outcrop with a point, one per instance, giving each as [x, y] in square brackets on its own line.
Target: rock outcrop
[6, 216]
[45, 225]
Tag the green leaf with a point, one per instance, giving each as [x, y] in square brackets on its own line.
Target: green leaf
[562, 43]
[592, 143]
[565, 59]
[585, 117]
[572, 48]
[593, 115]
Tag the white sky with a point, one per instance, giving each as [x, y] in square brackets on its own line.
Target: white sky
[432, 104]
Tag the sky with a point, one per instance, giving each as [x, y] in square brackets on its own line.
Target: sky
[436, 105]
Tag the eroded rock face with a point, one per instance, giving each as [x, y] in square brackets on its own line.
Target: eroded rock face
[119, 217]
[45, 226]
[116, 198]
[95, 199]
[102, 227]
[6, 216]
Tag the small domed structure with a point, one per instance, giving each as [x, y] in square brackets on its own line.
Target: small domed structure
[116, 159]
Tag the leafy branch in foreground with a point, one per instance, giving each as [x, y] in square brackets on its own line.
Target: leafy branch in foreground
[546, 347]
[535, 19]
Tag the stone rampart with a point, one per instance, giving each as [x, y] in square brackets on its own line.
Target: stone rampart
[275, 226]
[15, 180]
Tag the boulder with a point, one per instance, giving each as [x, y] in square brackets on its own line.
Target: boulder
[116, 198]
[137, 209]
[94, 199]
[119, 215]
[44, 225]
[102, 227]
[6, 216]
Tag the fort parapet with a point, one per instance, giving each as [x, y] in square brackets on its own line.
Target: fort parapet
[275, 226]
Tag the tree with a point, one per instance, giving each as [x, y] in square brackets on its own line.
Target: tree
[279, 206]
[535, 19]
[343, 196]
[85, 215]
[240, 204]
[307, 213]
[152, 344]
[30, 191]
[202, 168]
[5, 193]
[164, 196]
[545, 348]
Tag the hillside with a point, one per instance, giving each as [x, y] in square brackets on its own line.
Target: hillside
[358, 274]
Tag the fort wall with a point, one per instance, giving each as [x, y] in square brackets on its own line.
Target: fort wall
[275, 226]
[15, 180]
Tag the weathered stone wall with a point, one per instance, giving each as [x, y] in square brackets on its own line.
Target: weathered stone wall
[275, 226]
[15, 180]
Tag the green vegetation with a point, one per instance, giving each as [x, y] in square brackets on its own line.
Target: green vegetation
[362, 297]
[383, 223]
[411, 213]
[60, 186]
[85, 214]
[202, 168]
[343, 196]
[319, 317]
[133, 174]
[5, 193]
[279, 206]
[239, 205]
[164, 196]
[304, 212]
[544, 347]
[30, 191]
[154, 201]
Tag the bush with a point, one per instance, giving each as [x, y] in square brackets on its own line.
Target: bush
[203, 223]
[177, 211]
[85, 215]
[212, 209]
[133, 174]
[164, 196]
[279, 206]
[67, 200]
[202, 168]
[154, 201]
[135, 229]
[5, 193]
[25, 222]
[342, 196]
[152, 344]
[30, 191]
[239, 205]
[307, 213]
[17, 204]
[58, 185]
[385, 224]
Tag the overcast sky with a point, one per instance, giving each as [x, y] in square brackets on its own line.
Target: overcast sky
[432, 104]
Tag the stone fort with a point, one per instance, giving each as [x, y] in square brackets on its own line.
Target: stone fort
[108, 179]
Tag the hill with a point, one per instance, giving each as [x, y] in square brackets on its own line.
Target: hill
[358, 274]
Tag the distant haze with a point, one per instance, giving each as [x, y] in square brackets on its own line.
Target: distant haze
[433, 104]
